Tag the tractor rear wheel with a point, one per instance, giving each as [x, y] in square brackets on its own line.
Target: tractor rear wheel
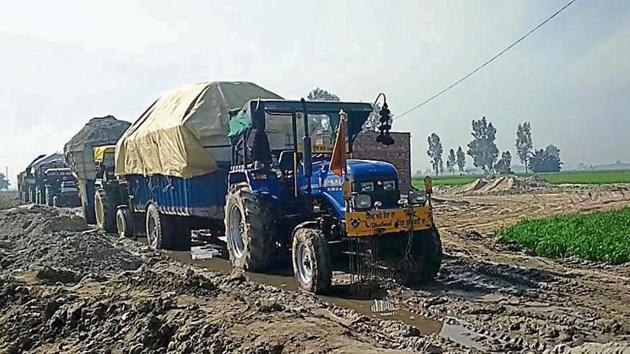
[312, 264]
[250, 230]
[124, 223]
[426, 257]
[105, 210]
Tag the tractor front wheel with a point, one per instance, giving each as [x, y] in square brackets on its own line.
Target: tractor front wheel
[249, 228]
[426, 257]
[312, 264]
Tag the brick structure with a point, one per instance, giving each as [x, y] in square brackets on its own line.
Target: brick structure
[399, 154]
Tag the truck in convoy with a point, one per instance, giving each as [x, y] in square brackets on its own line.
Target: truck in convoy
[32, 182]
[60, 188]
[79, 156]
[277, 178]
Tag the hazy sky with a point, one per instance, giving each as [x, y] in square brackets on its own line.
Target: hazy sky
[62, 62]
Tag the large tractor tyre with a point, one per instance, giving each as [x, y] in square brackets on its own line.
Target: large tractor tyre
[159, 228]
[125, 223]
[426, 257]
[312, 265]
[182, 238]
[105, 211]
[250, 230]
[89, 214]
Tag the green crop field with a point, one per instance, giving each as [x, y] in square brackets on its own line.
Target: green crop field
[568, 177]
[601, 237]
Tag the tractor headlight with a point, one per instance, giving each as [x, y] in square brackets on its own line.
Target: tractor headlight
[366, 186]
[417, 197]
[362, 201]
[389, 185]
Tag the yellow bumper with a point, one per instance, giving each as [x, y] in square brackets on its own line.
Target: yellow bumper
[384, 221]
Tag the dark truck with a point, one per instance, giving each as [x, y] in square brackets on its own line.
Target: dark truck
[61, 188]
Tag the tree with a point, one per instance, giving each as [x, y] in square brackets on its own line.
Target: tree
[451, 161]
[4, 181]
[482, 148]
[524, 143]
[318, 94]
[547, 160]
[504, 165]
[435, 153]
[461, 160]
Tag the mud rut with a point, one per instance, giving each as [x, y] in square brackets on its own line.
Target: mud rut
[66, 288]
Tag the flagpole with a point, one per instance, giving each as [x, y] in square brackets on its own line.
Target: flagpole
[346, 184]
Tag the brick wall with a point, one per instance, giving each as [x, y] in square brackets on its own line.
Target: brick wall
[399, 154]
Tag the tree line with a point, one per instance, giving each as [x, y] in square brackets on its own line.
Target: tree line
[482, 148]
[485, 154]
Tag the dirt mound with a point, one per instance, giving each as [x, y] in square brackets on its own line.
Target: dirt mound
[34, 237]
[503, 185]
[67, 288]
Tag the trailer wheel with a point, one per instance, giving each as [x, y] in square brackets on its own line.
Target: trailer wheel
[249, 229]
[124, 223]
[426, 257]
[312, 265]
[159, 228]
[105, 211]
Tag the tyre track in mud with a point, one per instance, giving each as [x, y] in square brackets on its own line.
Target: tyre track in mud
[517, 301]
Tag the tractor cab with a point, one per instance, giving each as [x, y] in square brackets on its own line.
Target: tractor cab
[294, 185]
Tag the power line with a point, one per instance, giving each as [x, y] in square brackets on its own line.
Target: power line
[485, 63]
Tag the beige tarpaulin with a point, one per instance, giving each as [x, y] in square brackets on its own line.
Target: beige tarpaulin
[177, 134]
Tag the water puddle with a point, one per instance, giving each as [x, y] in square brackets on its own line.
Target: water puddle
[370, 304]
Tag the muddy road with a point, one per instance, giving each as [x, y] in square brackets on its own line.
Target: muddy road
[67, 288]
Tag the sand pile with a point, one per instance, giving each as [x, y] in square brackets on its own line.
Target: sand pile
[503, 185]
[97, 131]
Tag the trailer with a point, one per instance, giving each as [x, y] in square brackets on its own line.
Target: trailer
[174, 160]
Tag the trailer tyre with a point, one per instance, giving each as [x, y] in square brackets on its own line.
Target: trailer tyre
[105, 210]
[125, 223]
[312, 264]
[159, 228]
[250, 230]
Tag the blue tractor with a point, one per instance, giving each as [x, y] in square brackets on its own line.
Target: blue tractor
[287, 196]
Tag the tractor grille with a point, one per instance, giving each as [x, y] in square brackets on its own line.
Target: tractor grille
[388, 198]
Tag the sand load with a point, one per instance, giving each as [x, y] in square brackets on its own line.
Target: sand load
[185, 132]
[98, 131]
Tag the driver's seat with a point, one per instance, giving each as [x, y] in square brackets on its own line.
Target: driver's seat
[285, 161]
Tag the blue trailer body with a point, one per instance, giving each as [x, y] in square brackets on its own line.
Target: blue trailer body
[201, 196]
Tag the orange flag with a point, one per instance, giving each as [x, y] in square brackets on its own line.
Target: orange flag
[338, 161]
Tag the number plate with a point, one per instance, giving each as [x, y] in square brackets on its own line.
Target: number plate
[375, 222]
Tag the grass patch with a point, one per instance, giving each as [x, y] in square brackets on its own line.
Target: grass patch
[568, 177]
[584, 177]
[603, 237]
